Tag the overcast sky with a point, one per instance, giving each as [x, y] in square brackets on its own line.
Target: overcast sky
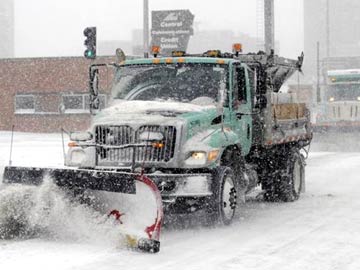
[54, 27]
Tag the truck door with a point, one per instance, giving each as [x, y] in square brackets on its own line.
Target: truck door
[241, 106]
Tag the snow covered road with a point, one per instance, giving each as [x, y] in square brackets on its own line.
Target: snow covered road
[320, 231]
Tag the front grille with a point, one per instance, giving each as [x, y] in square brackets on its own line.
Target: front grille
[107, 136]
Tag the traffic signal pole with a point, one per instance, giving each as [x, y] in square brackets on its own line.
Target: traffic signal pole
[146, 28]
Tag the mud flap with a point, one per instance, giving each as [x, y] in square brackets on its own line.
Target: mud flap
[104, 185]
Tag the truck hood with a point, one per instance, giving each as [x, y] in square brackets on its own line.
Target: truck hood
[149, 111]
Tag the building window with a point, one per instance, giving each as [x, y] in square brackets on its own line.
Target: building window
[24, 104]
[73, 103]
[80, 103]
[54, 103]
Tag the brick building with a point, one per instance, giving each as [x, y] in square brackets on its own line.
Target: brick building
[46, 94]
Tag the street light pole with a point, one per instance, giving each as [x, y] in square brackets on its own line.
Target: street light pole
[146, 28]
[269, 25]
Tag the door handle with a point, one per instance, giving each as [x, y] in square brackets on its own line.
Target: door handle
[240, 114]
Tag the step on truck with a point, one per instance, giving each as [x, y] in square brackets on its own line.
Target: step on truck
[201, 130]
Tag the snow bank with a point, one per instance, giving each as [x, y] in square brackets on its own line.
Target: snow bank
[46, 211]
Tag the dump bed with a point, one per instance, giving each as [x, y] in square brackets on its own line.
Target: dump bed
[288, 122]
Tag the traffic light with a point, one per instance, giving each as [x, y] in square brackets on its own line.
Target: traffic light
[90, 42]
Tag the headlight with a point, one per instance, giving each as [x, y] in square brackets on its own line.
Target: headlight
[331, 99]
[198, 155]
[358, 98]
[196, 158]
[201, 158]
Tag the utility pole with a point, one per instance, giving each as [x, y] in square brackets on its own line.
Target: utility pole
[146, 28]
[269, 26]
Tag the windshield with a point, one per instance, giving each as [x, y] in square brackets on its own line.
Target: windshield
[195, 83]
[342, 92]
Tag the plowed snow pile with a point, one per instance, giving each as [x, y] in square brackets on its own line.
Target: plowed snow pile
[46, 211]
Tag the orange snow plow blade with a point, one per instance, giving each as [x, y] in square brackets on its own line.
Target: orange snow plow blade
[106, 187]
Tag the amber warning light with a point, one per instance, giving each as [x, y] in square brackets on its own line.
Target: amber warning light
[178, 53]
[155, 50]
[237, 48]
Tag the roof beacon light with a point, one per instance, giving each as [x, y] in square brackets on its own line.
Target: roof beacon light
[237, 48]
[178, 53]
[213, 53]
[155, 50]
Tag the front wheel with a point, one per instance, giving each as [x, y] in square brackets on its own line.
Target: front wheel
[225, 204]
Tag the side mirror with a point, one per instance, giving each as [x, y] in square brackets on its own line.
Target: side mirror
[94, 89]
[94, 81]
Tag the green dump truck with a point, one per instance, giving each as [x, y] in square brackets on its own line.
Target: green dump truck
[206, 129]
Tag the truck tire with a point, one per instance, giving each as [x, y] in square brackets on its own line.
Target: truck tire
[225, 203]
[287, 183]
[294, 179]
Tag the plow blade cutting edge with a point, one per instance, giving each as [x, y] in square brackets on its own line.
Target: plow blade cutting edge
[96, 180]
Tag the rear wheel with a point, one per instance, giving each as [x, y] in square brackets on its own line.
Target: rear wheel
[286, 180]
[298, 175]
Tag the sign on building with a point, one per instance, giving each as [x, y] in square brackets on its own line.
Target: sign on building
[171, 30]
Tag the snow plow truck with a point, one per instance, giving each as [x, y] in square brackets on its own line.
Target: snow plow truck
[200, 131]
[339, 108]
